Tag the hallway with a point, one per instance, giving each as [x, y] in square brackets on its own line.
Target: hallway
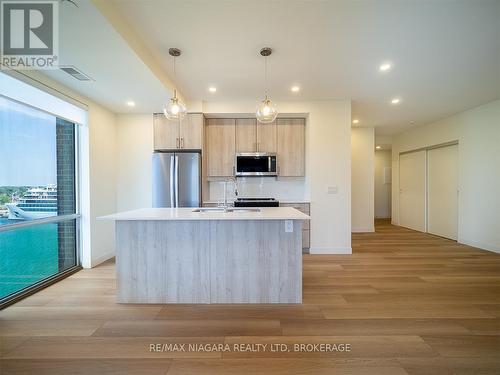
[406, 302]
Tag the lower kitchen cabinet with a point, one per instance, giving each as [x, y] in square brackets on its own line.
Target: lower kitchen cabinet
[306, 226]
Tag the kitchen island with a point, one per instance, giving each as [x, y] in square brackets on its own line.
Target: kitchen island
[190, 255]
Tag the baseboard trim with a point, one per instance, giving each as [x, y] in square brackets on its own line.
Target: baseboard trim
[102, 259]
[479, 245]
[330, 250]
[363, 230]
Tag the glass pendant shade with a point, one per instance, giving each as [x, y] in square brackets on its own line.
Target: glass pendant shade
[175, 109]
[266, 111]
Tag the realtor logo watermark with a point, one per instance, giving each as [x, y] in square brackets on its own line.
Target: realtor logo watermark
[30, 34]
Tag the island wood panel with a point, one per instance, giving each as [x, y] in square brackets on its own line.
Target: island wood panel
[255, 262]
[221, 147]
[165, 133]
[246, 135]
[266, 137]
[291, 147]
[162, 261]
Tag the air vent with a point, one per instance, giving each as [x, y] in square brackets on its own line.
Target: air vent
[73, 71]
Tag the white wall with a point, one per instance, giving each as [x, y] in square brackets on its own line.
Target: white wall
[383, 159]
[102, 168]
[100, 164]
[134, 150]
[362, 179]
[328, 160]
[478, 133]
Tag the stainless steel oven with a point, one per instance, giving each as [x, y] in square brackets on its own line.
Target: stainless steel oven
[256, 164]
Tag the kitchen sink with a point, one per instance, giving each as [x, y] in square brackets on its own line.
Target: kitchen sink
[230, 209]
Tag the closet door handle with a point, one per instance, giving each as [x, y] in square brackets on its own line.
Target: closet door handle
[177, 144]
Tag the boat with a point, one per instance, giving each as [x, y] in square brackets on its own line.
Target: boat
[36, 203]
[4, 212]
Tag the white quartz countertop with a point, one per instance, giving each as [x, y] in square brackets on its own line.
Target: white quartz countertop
[213, 201]
[173, 214]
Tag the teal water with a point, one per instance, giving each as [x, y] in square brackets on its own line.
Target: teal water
[27, 255]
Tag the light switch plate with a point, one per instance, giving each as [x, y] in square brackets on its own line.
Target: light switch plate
[288, 226]
[333, 189]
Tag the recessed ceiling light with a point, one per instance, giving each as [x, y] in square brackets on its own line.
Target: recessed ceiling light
[131, 103]
[356, 121]
[395, 101]
[212, 89]
[385, 67]
[378, 147]
[295, 88]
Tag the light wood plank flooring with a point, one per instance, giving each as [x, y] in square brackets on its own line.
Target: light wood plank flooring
[406, 302]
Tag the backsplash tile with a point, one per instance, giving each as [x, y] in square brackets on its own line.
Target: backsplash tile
[262, 187]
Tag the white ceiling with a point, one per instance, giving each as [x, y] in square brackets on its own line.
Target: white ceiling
[446, 54]
[88, 42]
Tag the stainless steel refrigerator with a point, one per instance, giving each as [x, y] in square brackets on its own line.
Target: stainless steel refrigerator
[176, 179]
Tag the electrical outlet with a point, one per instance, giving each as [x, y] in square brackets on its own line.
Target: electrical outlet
[288, 226]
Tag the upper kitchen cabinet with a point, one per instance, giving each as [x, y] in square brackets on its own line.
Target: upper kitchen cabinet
[291, 147]
[173, 134]
[166, 133]
[220, 142]
[191, 131]
[266, 137]
[252, 136]
[246, 135]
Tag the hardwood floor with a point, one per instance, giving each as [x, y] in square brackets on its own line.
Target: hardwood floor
[405, 302]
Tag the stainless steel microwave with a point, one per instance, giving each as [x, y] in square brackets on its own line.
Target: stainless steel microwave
[256, 164]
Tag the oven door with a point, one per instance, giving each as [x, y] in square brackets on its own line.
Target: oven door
[256, 164]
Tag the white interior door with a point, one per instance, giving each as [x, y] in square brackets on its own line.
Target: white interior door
[442, 189]
[412, 190]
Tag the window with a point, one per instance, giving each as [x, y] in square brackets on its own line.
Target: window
[39, 216]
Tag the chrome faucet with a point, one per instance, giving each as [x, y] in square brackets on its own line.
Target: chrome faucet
[233, 180]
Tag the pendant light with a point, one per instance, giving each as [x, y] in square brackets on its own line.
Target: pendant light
[175, 109]
[266, 111]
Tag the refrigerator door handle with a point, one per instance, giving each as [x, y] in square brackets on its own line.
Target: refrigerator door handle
[172, 181]
[176, 181]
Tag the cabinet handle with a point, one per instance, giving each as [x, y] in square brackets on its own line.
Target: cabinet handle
[177, 145]
[182, 142]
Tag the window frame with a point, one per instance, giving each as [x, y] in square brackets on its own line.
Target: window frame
[77, 217]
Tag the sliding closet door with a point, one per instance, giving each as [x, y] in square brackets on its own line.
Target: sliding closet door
[412, 190]
[442, 183]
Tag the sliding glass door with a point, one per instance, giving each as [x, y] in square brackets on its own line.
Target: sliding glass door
[39, 213]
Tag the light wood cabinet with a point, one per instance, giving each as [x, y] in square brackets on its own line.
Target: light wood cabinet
[266, 137]
[174, 134]
[191, 132]
[246, 135]
[291, 147]
[166, 133]
[252, 136]
[220, 142]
